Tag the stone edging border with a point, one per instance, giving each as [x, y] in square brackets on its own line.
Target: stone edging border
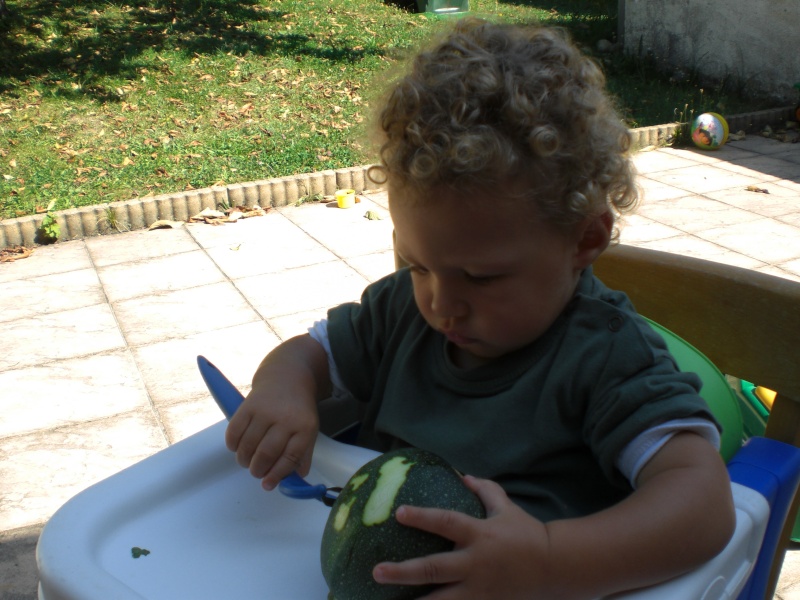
[139, 213]
[659, 135]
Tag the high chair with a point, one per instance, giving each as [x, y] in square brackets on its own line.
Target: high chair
[748, 325]
[211, 532]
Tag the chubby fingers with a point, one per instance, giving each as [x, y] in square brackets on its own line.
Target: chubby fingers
[255, 441]
[278, 453]
[237, 426]
[450, 524]
[269, 450]
[295, 456]
[433, 569]
[490, 493]
[453, 525]
[447, 567]
[463, 530]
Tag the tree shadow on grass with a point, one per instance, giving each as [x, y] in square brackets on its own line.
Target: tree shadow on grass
[586, 20]
[84, 40]
[587, 7]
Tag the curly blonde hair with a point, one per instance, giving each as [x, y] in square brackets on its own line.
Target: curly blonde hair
[492, 104]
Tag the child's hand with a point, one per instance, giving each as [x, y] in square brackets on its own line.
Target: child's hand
[512, 555]
[504, 555]
[273, 434]
[274, 430]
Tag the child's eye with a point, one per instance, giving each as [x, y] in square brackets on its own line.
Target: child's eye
[417, 270]
[481, 279]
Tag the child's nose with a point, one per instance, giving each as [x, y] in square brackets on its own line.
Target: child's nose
[446, 302]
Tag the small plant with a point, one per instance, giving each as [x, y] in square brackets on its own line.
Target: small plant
[110, 218]
[49, 229]
[309, 198]
[683, 132]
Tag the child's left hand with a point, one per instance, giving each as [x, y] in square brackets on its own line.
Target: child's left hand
[507, 551]
[511, 554]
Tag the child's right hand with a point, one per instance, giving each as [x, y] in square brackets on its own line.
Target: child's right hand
[273, 434]
[274, 430]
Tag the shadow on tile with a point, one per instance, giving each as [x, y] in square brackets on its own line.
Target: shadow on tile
[19, 578]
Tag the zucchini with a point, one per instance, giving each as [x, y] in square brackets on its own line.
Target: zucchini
[362, 531]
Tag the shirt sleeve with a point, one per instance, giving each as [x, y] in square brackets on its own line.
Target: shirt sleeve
[631, 384]
[644, 446]
[319, 332]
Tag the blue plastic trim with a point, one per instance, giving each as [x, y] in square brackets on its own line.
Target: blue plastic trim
[771, 468]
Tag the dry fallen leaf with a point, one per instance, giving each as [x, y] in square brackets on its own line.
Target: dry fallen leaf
[243, 212]
[209, 213]
[14, 253]
[231, 215]
[755, 188]
[165, 224]
[255, 211]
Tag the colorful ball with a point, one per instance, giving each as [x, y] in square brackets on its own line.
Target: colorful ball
[709, 131]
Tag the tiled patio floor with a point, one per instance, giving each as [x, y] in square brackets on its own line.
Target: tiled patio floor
[98, 337]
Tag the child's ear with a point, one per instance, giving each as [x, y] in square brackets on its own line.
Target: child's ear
[594, 235]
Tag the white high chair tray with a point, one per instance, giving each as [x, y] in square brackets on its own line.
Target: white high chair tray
[212, 532]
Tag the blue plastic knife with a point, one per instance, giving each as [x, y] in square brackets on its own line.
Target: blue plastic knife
[229, 399]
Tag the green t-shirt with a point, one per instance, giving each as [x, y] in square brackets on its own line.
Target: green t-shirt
[547, 422]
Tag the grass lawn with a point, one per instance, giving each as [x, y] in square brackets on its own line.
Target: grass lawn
[104, 100]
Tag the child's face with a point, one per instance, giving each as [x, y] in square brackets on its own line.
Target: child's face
[490, 276]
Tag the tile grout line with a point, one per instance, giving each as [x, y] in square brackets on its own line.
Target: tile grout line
[232, 282]
[129, 352]
[705, 195]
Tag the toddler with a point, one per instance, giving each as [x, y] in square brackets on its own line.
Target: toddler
[498, 349]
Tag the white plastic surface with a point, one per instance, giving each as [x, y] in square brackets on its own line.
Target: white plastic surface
[723, 577]
[212, 532]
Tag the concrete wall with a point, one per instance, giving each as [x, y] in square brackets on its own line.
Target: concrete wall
[753, 42]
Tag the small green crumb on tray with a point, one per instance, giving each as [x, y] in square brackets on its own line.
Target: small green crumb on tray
[136, 552]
